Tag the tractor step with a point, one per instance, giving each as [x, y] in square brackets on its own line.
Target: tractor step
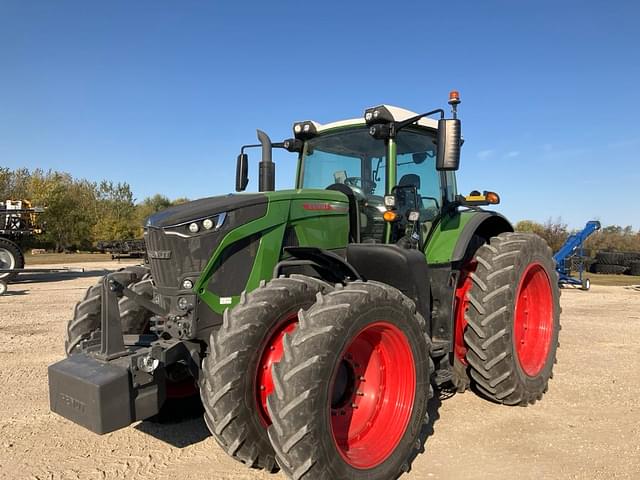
[439, 348]
[443, 376]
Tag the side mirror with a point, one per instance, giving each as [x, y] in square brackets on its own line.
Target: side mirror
[449, 142]
[242, 172]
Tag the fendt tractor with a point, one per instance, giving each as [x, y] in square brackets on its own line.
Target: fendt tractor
[313, 324]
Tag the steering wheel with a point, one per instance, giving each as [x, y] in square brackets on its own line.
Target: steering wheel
[367, 186]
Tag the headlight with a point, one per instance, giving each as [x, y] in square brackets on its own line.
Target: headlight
[389, 201]
[187, 284]
[183, 303]
[207, 223]
[193, 227]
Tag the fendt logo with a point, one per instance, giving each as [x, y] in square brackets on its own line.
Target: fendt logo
[73, 403]
[160, 254]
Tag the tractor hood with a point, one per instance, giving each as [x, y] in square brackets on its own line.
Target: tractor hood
[204, 207]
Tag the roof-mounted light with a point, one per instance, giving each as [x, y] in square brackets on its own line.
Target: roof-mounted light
[305, 130]
[379, 114]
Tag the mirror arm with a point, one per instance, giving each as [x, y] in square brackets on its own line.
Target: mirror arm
[400, 125]
[249, 146]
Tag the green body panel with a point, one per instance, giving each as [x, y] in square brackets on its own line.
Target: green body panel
[320, 218]
[445, 236]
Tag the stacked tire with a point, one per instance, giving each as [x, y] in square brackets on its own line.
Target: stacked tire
[617, 263]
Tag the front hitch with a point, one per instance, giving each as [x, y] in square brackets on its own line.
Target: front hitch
[109, 386]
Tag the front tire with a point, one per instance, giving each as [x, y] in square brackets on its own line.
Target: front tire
[513, 319]
[236, 375]
[87, 312]
[352, 389]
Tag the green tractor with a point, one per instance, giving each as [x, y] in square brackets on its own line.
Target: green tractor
[313, 324]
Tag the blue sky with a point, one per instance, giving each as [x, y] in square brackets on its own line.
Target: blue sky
[162, 93]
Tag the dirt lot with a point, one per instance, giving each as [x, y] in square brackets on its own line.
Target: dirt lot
[586, 427]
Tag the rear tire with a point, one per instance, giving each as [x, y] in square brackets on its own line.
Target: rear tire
[324, 392]
[235, 377]
[513, 319]
[10, 257]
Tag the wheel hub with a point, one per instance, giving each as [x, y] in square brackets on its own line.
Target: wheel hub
[461, 306]
[373, 395]
[533, 319]
[272, 353]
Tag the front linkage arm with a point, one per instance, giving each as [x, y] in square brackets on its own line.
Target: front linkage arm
[111, 337]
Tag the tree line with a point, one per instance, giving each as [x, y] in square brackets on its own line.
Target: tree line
[78, 213]
[612, 238]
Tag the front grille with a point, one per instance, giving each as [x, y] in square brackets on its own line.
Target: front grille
[172, 256]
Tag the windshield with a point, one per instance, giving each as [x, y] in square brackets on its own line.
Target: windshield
[352, 158]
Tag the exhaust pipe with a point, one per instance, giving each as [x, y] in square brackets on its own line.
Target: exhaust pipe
[267, 181]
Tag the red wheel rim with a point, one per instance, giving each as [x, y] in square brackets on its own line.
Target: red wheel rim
[533, 319]
[271, 353]
[373, 395]
[461, 306]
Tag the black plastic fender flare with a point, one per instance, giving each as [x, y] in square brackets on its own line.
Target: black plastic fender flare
[485, 224]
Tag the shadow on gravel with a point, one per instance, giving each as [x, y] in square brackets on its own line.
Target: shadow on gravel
[25, 278]
[179, 423]
[14, 293]
[180, 434]
[428, 429]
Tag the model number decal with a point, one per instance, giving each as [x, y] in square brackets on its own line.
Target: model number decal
[324, 207]
[160, 254]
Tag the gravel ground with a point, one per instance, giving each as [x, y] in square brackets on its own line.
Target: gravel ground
[586, 427]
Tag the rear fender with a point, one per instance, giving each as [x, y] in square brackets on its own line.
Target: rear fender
[445, 253]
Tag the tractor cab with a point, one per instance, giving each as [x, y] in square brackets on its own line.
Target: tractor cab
[384, 185]
[396, 168]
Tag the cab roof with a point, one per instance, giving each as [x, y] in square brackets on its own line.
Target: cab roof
[399, 114]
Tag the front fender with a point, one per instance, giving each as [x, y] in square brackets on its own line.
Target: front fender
[451, 237]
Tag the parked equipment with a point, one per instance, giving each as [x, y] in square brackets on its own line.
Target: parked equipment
[131, 248]
[571, 257]
[18, 221]
[313, 323]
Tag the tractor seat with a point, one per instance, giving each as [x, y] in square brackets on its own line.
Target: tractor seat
[410, 179]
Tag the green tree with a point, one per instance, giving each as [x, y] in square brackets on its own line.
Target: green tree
[114, 212]
[69, 211]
